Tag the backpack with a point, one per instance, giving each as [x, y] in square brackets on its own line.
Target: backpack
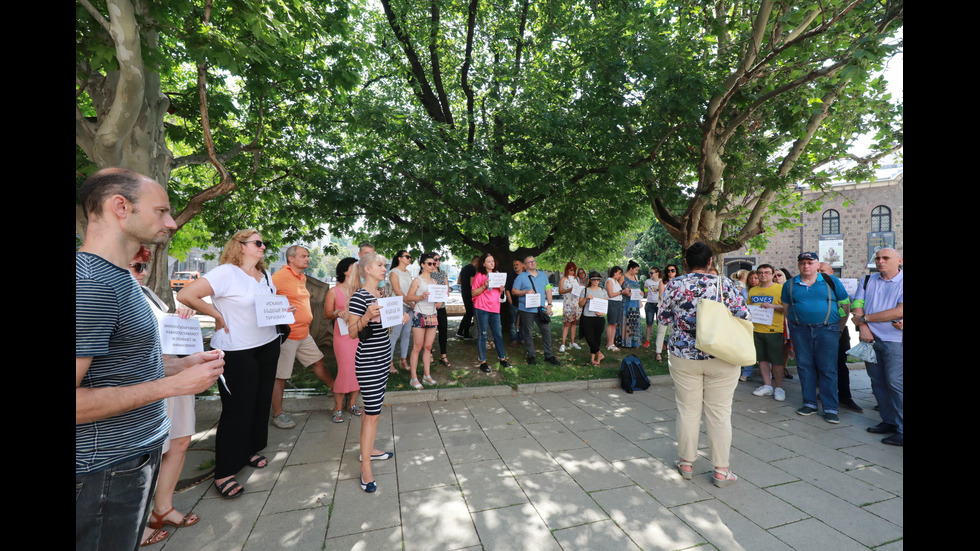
[632, 376]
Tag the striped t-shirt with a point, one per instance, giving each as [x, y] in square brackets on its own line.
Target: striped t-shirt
[115, 326]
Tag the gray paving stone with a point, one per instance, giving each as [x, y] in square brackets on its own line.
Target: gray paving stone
[468, 453]
[591, 470]
[755, 504]
[630, 428]
[648, 523]
[420, 469]
[420, 435]
[411, 413]
[554, 436]
[880, 477]
[851, 520]
[436, 518]
[299, 530]
[525, 410]
[662, 482]
[306, 486]
[756, 472]
[525, 456]
[812, 535]
[411, 396]
[225, 524]
[817, 452]
[355, 511]
[474, 392]
[551, 401]
[386, 538]
[559, 500]
[313, 446]
[518, 527]
[890, 457]
[598, 536]
[892, 510]
[538, 388]
[507, 431]
[725, 528]
[611, 445]
[455, 421]
[488, 485]
[842, 485]
[760, 429]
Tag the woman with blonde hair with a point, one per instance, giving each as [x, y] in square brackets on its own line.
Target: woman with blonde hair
[251, 355]
[570, 309]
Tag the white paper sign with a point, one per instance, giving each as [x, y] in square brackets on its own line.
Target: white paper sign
[760, 315]
[271, 310]
[850, 285]
[497, 279]
[391, 311]
[180, 336]
[532, 300]
[342, 325]
[438, 293]
[598, 305]
[576, 289]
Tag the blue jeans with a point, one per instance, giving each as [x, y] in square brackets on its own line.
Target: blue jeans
[112, 505]
[403, 331]
[816, 362]
[485, 319]
[514, 336]
[887, 381]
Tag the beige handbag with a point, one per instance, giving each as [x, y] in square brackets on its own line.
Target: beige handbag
[721, 334]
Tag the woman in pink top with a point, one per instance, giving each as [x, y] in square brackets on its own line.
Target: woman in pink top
[486, 302]
[344, 346]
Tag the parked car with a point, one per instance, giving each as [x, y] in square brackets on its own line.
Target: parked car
[179, 279]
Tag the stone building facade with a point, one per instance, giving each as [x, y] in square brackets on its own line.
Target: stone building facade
[845, 236]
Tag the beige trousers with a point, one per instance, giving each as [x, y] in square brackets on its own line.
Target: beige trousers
[707, 385]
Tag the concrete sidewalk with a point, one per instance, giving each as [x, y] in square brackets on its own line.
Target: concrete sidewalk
[577, 469]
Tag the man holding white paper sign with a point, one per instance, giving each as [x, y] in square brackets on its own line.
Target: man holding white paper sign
[768, 333]
[291, 283]
[528, 288]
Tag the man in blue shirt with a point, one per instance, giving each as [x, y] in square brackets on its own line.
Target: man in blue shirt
[813, 303]
[878, 314]
[533, 281]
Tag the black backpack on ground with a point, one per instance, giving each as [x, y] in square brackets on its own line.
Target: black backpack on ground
[632, 376]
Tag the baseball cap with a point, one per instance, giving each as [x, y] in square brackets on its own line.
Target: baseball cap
[807, 256]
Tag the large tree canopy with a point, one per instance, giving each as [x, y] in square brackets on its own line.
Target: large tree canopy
[214, 102]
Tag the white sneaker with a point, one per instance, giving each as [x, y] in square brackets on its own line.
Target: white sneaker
[764, 390]
[562, 348]
[576, 346]
[779, 395]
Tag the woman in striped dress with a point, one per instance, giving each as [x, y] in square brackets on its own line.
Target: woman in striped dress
[372, 359]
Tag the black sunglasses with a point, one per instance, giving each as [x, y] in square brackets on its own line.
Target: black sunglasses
[140, 267]
[258, 243]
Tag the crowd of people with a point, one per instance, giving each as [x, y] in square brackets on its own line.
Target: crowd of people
[134, 404]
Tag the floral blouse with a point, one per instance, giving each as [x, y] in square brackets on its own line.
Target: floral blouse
[678, 309]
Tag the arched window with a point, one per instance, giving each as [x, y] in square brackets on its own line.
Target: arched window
[881, 218]
[831, 222]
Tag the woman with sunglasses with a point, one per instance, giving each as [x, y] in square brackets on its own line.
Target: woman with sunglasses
[251, 355]
[441, 278]
[670, 272]
[614, 289]
[425, 321]
[570, 308]
[180, 411]
[652, 288]
[486, 304]
[592, 321]
[401, 279]
[631, 306]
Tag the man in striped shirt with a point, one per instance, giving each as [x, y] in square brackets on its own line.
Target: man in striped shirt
[120, 416]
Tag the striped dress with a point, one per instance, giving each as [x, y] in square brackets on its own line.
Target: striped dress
[373, 356]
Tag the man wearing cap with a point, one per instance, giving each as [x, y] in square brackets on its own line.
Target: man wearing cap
[878, 314]
[813, 304]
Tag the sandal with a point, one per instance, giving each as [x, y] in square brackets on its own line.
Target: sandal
[404, 364]
[659, 359]
[686, 475]
[416, 384]
[227, 487]
[156, 536]
[429, 380]
[256, 461]
[729, 479]
[158, 521]
[445, 361]
[354, 410]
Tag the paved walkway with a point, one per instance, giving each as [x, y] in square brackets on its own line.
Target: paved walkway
[578, 469]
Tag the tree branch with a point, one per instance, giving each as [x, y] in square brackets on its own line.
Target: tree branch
[191, 160]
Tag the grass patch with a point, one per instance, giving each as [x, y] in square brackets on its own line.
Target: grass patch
[465, 370]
